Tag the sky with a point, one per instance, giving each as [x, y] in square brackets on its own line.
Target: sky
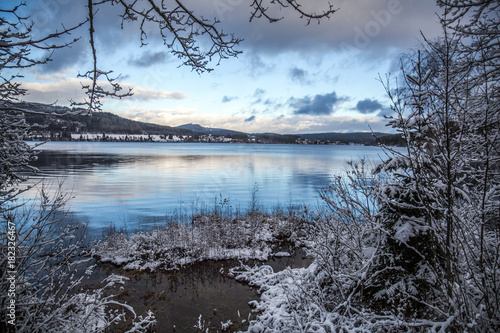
[290, 77]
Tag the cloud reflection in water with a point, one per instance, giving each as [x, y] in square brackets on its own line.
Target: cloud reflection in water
[122, 183]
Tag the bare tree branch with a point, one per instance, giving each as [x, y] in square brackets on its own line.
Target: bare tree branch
[260, 9]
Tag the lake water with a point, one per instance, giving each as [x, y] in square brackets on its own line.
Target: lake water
[136, 185]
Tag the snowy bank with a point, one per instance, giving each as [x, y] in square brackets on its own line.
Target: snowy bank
[207, 237]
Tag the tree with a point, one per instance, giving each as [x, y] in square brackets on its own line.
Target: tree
[477, 23]
[418, 205]
[441, 208]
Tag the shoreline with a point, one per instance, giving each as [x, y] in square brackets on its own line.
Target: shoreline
[111, 138]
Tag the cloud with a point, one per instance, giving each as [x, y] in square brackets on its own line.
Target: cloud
[256, 64]
[269, 102]
[301, 124]
[258, 95]
[144, 94]
[55, 15]
[258, 92]
[385, 113]
[61, 75]
[298, 75]
[318, 105]
[368, 106]
[62, 91]
[164, 116]
[49, 17]
[149, 58]
[227, 99]
[375, 27]
[65, 58]
[184, 115]
[110, 37]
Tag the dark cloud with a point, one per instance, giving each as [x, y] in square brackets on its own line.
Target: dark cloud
[368, 106]
[256, 64]
[49, 17]
[298, 74]
[149, 58]
[110, 38]
[318, 105]
[258, 92]
[226, 99]
[258, 95]
[385, 113]
[66, 58]
[249, 119]
[374, 27]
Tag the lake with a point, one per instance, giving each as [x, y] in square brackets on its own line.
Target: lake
[139, 185]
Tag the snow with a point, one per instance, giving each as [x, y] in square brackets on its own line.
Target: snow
[127, 137]
[293, 300]
[226, 325]
[206, 238]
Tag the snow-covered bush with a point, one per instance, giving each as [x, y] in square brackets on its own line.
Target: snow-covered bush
[365, 277]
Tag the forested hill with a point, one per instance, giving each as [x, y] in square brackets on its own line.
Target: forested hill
[357, 137]
[99, 122]
[209, 130]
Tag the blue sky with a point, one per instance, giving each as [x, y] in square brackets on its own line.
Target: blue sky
[290, 78]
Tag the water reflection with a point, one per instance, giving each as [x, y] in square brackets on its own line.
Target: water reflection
[120, 183]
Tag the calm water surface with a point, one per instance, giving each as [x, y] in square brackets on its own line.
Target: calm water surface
[136, 185]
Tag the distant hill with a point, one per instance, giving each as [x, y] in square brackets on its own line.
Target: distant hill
[392, 140]
[109, 123]
[357, 137]
[208, 130]
[276, 138]
[98, 122]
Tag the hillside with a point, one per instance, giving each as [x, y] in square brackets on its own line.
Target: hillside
[99, 122]
[208, 130]
[357, 137]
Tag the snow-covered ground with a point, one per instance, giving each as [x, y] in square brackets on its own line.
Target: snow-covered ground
[207, 237]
